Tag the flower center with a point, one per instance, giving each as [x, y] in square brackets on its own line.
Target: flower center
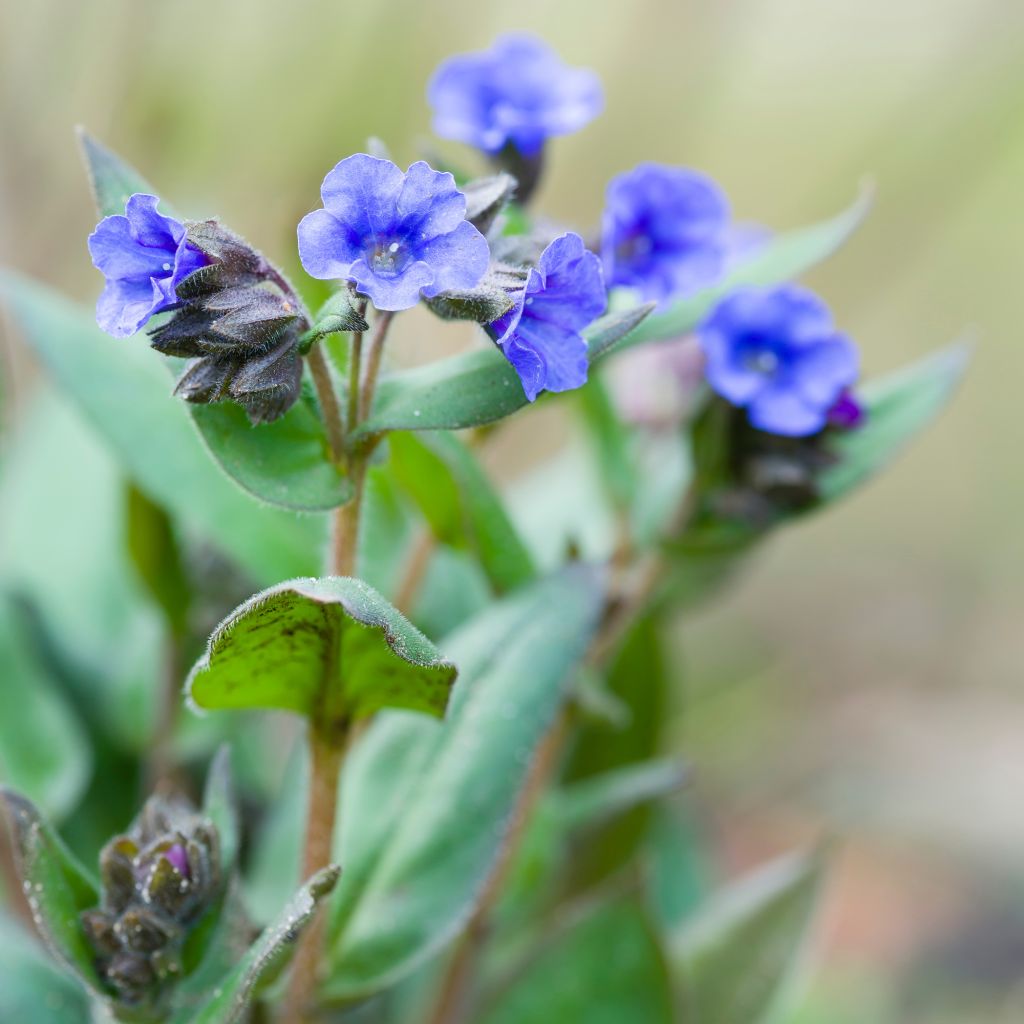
[762, 361]
[389, 258]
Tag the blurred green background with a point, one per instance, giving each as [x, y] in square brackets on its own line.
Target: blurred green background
[863, 680]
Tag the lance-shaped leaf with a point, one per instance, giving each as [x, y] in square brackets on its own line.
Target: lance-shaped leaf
[56, 886]
[112, 180]
[32, 988]
[265, 959]
[897, 406]
[125, 393]
[328, 648]
[463, 509]
[475, 388]
[783, 257]
[606, 967]
[738, 960]
[287, 461]
[409, 896]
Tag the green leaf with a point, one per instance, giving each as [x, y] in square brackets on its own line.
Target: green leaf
[338, 315]
[266, 958]
[112, 180]
[125, 393]
[784, 257]
[155, 553]
[330, 648]
[418, 887]
[738, 959]
[56, 886]
[452, 490]
[606, 968]
[44, 751]
[285, 463]
[31, 987]
[471, 389]
[898, 406]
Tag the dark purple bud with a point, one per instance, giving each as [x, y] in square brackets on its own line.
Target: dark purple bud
[847, 413]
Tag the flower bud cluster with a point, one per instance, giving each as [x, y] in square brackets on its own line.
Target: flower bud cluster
[157, 880]
[239, 323]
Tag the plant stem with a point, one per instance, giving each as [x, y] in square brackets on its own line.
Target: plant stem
[327, 751]
[344, 543]
[415, 568]
[160, 770]
[329, 407]
[355, 366]
[380, 330]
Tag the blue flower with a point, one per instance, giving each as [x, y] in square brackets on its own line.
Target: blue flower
[775, 352]
[516, 92]
[540, 336]
[395, 236]
[665, 231]
[144, 256]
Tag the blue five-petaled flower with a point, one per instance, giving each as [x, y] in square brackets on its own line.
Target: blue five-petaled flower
[776, 352]
[665, 231]
[541, 335]
[395, 236]
[518, 92]
[144, 256]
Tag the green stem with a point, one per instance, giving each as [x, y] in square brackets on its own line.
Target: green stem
[329, 407]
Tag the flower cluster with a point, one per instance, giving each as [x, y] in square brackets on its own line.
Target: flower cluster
[400, 238]
[157, 882]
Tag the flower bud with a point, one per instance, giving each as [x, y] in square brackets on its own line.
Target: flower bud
[157, 881]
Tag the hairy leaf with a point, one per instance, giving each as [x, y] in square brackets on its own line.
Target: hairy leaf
[331, 648]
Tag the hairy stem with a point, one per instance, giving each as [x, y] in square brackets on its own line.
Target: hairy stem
[160, 769]
[329, 407]
[326, 752]
[415, 568]
[369, 385]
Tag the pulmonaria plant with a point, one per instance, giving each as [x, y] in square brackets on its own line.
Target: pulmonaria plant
[554, 619]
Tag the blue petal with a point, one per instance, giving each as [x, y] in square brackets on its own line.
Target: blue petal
[458, 259]
[726, 372]
[124, 306]
[362, 193]
[824, 370]
[118, 254]
[428, 205]
[326, 246]
[564, 353]
[149, 227]
[528, 365]
[392, 292]
[781, 410]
